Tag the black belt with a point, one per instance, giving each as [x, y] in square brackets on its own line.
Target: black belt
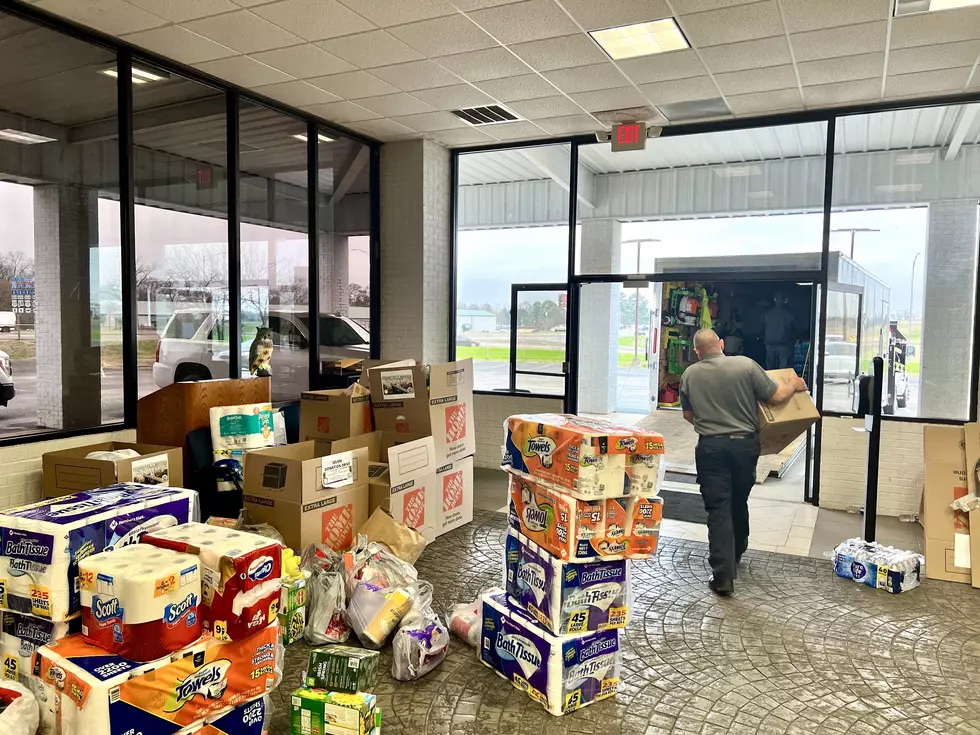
[741, 436]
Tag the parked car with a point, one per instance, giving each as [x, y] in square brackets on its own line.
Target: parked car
[840, 361]
[464, 341]
[6, 379]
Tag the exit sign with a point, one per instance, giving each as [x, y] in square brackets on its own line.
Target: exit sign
[629, 137]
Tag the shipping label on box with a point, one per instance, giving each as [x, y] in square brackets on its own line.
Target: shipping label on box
[455, 481]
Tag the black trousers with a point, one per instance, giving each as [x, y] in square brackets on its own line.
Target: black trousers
[726, 473]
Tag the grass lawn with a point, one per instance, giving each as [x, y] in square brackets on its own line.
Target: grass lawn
[502, 354]
[18, 349]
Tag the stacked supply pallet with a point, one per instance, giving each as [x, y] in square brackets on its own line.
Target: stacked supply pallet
[583, 504]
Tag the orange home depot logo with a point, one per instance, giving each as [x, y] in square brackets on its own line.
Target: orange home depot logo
[456, 422]
[323, 424]
[414, 508]
[338, 527]
[452, 491]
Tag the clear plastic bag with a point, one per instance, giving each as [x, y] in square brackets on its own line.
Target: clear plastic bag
[374, 612]
[325, 612]
[421, 642]
[464, 620]
[375, 564]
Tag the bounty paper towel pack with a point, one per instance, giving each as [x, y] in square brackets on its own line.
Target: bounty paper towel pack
[588, 458]
[240, 573]
[42, 543]
[140, 602]
[103, 694]
[565, 597]
[561, 673]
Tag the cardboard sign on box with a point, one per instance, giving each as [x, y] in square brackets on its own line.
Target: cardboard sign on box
[309, 498]
[335, 414]
[455, 483]
[780, 425]
[68, 471]
[408, 489]
[947, 531]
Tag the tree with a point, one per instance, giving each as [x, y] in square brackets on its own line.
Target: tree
[627, 307]
[15, 264]
[359, 295]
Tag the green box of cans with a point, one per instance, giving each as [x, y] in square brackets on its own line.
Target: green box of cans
[343, 669]
[321, 712]
[292, 609]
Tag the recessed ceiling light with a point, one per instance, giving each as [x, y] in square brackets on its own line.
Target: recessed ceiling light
[19, 136]
[905, 7]
[140, 76]
[732, 172]
[319, 136]
[915, 159]
[641, 39]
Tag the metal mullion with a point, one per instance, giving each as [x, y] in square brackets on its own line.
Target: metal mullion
[232, 109]
[127, 237]
[313, 228]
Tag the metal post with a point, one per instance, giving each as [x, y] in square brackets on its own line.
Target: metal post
[232, 110]
[912, 292]
[872, 424]
[127, 238]
[313, 249]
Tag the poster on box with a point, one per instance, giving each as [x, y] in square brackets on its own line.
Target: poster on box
[153, 470]
[397, 385]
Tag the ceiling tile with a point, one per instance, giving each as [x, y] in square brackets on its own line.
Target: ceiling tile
[391, 105]
[927, 58]
[812, 15]
[416, 75]
[609, 99]
[587, 78]
[460, 136]
[243, 71]
[114, 18]
[314, 20]
[680, 90]
[298, 94]
[478, 66]
[757, 80]
[526, 87]
[593, 15]
[941, 80]
[177, 11]
[353, 85]
[430, 121]
[845, 69]
[758, 102]
[730, 25]
[515, 131]
[303, 62]
[842, 93]
[243, 31]
[381, 129]
[342, 112]
[453, 34]
[545, 107]
[370, 49]
[560, 53]
[663, 67]
[755, 54]
[395, 12]
[686, 7]
[525, 21]
[569, 125]
[859, 39]
[179, 44]
[925, 29]
[454, 97]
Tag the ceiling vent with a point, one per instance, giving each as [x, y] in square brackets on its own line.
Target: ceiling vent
[488, 115]
[695, 109]
[626, 115]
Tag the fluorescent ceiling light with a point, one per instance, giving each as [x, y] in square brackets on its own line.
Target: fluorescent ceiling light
[319, 136]
[896, 188]
[19, 136]
[733, 172]
[905, 7]
[140, 76]
[915, 159]
[641, 39]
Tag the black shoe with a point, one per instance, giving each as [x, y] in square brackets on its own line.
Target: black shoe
[722, 588]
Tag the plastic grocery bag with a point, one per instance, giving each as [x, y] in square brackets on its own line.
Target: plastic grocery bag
[464, 619]
[326, 607]
[376, 565]
[421, 642]
[19, 713]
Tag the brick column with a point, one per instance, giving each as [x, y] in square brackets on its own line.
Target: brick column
[947, 314]
[66, 241]
[601, 252]
[334, 285]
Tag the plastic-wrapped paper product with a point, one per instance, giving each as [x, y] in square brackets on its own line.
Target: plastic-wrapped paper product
[565, 597]
[251, 718]
[881, 567]
[24, 634]
[421, 641]
[375, 564]
[326, 620]
[342, 668]
[44, 542]
[464, 618]
[589, 458]
[320, 712]
[19, 714]
[234, 431]
[562, 673]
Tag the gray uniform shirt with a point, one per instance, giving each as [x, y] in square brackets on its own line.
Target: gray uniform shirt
[723, 392]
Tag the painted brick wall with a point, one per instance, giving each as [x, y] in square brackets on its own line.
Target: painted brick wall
[491, 411]
[20, 464]
[843, 466]
[436, 273]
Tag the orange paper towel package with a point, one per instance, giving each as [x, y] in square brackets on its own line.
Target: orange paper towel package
[588, 458]
[99, 693]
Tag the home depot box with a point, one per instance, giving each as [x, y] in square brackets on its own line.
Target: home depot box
[407, 487]
[947, 531]
[441, 407]
[308, 497]
[455, 484]
[335, 414]
[67, 471]
[780, 425]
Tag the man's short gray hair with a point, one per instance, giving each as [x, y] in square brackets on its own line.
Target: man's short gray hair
[705, 339]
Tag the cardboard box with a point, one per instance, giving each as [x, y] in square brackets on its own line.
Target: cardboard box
[409, 489]
[947, 531]
[67, 471]
[455, 483]
[335, 414]
[975, 549]
[779, 426]
[310, 498]
[443, 409]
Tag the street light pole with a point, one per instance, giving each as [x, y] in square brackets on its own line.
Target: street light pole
[853, 231]
[636, 296]
[912, 292]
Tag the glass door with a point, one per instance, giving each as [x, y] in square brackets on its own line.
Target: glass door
[538, 338]
[841, 357]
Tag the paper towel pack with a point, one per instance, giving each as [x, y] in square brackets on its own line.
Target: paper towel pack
[102, 694]
[586, 457]
[565, 597]
[251, 718]
[240, 574]
[585, 530]
[42, 543]
[234, 431]
[21, 636]
[140, 602]
[562, 673]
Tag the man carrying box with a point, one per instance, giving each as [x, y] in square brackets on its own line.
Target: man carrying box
[720, 396]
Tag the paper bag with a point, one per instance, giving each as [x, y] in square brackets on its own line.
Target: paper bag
[405, 543]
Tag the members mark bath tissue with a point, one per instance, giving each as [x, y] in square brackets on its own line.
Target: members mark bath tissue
[563, 673]
[240, 575]
[42, 543]
[22, 635]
